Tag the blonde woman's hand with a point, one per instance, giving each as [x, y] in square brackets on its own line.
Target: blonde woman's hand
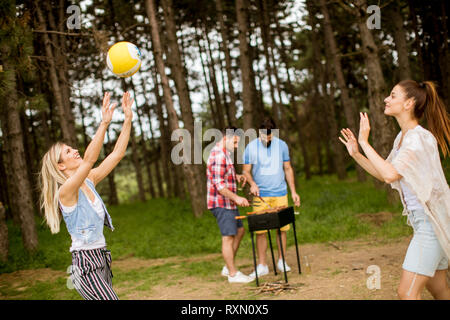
[107, 108]
[127, 102]
[364, 128]
[349, 141]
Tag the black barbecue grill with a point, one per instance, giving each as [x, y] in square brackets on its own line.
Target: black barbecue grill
[270, 221]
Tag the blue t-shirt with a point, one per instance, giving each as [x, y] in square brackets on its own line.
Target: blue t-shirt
[267, 166]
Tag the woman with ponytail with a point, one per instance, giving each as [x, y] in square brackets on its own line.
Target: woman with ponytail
[414, 169]
[68, 186]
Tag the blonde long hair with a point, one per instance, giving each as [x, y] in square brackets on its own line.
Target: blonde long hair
[50, 179]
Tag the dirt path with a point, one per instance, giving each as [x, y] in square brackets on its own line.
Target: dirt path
[337, 271]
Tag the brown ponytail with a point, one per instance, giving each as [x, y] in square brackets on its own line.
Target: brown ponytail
[429, 103]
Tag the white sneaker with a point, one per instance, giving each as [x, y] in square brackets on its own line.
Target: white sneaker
[262, 271]
[280, 266]
[239, 277]
[225, 271]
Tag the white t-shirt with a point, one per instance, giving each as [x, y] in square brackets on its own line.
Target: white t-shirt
[411, 201]
[78, 244]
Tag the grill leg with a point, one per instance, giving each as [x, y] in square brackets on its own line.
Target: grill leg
[271, 251]
[296, 249]
[282, 256]
[254, 259]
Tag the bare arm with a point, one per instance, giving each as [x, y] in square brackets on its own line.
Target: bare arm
[69, 190]
[247, 172]
[367, 165]
[383, 167]
[351, 144]
[228, 193]
[240, 201]
[110, 162]
[289, 173]
[386, 171]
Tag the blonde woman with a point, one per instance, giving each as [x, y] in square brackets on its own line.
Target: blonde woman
[414, 169]
[68, 186]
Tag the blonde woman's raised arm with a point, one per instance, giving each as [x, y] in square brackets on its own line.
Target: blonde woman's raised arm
[99, 173]
[68, 191]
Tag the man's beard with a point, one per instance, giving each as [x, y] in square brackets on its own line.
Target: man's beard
[266, 143]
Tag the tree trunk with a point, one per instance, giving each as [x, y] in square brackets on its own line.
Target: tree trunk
[348, 104]
[195, 177]
[197, 188]
[13, 207]
[12, 134]
[418, 40]
[30, 152]
[135, 155]
[444, 52]
[4, 243]
[222, 71]
[226, 50]
[294, 104]
[265, 32]
[269, 17]
[137, 165]
[113, 199]
[246, 65]
[338, 150]
[68, 132]
[258, 109]
[60, 56]
[383, 131]
[303, 148]
[399, 33]
[164, 139]
[4, 195]
[208, 89]
[43, 116]
[159, 190]
[327, 102]
[83, 125]
[212, 73]
[383, 126]
[45, 129]
[143, 144]
[147, 158]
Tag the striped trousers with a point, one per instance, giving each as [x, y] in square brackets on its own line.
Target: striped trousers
[91, 274]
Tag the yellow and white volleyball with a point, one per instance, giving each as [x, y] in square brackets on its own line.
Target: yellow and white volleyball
[124, 59]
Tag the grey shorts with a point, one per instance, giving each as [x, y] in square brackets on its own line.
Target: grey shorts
[226, 221]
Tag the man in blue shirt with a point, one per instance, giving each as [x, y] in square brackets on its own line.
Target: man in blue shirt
[267, 167]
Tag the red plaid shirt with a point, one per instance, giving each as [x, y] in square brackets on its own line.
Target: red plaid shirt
[220, 174]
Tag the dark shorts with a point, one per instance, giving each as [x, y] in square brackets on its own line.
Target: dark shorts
[228, 225]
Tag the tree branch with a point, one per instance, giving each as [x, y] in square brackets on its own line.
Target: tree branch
[64, 33]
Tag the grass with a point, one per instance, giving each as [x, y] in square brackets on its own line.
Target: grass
[162, 228]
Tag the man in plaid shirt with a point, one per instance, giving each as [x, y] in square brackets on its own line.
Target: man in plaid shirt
[222, 200]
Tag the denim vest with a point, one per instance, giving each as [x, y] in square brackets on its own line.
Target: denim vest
[84, 223]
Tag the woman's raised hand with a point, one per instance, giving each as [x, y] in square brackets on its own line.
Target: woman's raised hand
[349, 141]
[364, 128]
[107, 108]
[126, 105]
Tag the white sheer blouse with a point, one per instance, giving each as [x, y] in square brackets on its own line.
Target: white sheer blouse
[418, 162]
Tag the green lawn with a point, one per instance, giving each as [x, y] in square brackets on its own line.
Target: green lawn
[166, 227]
